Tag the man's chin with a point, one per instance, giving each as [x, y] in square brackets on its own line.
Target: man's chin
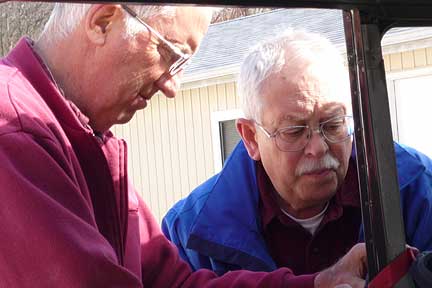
[125, 118]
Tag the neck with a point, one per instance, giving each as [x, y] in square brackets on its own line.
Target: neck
[47, 51]
[64, 70]
[299, 211]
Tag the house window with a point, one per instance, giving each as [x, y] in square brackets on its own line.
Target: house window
[224, 135]
[410, 102]
[229, 138]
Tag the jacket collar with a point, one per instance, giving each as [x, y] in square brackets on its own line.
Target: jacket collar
[238, 238]
[227, 235]
[89, 153]
[35, 71]
[410, 164]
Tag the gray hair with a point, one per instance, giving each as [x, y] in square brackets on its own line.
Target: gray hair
[66, 16]
[299, 51]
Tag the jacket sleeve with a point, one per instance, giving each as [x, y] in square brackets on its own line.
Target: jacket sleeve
[170, 231]
[48, 232]
[162, 266]
[178, 235]
[416, 201]
[50, 239]
[415, 169]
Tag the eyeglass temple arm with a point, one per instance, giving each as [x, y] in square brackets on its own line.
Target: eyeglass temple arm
[129, 10]
[135, 15]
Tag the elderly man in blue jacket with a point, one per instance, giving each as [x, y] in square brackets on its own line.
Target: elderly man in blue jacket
[288, 195]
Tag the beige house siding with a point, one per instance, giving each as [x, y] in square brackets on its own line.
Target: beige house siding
[418, 58]
[170, 149]
[170, 142]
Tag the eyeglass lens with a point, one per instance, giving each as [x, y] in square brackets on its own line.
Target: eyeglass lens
[296, 138]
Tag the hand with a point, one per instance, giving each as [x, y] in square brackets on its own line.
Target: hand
[349, 271]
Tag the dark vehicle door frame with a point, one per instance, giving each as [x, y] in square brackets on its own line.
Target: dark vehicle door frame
[365, 23]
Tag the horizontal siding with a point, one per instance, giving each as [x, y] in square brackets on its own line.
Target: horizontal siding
[408, 60]
[170, 143]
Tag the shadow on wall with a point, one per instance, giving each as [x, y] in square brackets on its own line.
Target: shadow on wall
[21, 18]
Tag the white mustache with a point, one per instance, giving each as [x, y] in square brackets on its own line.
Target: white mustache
[310, 165]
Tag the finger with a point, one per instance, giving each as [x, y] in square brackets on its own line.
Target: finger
[412, 248]
[358, 283]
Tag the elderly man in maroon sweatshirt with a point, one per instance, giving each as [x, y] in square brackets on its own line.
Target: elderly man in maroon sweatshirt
[69, 215]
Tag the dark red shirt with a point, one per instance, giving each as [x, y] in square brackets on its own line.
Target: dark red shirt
[294, 247]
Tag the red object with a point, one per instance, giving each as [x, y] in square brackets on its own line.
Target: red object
[392, 273]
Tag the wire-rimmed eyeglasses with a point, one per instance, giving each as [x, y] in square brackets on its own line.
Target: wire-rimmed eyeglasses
[180, 58]
[295, 138]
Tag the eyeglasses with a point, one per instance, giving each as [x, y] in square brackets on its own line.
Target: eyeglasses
[179, 59]
[295, 138]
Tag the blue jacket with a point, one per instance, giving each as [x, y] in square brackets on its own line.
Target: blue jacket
[218, 225]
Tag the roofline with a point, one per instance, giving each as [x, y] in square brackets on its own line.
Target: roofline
[229, 73]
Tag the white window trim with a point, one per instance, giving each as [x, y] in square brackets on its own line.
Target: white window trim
[216, 118]
[394, 76]
[409, 73]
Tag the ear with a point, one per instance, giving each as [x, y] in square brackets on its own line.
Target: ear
[246, 129]
[99, 20]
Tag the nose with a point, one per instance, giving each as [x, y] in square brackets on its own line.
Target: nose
[168, 84]
[317, 145]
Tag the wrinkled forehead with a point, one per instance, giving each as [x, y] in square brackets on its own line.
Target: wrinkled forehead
[304, 103]
[203, 12]
[319, 98]
[322, 84]
[313, 83]
[189, 26]
[303, 94]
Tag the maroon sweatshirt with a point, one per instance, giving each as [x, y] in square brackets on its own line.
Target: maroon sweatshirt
[69, 217]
